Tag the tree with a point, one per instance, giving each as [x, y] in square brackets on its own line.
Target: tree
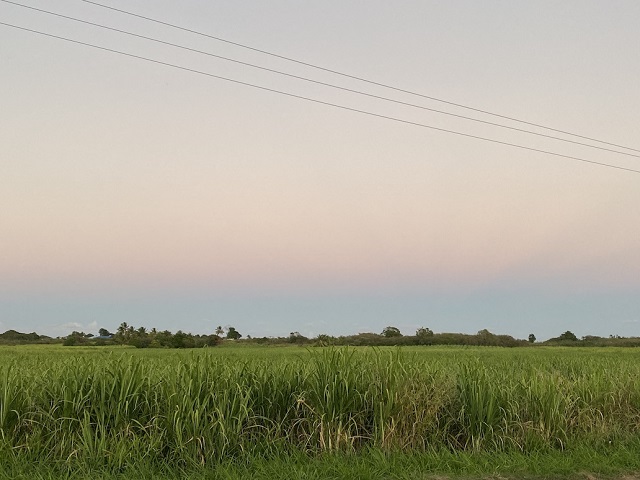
[486, 338]
[568, 335]
[424, 336]
[70, 341]
[219, 331]
[103, 332]
[140, 341]
[297, 337]
[391, 332]
[182, 340]
[233, 334]
[122, 329]
[163, 338]
[123, 335]
[324, 340]
[532, 338]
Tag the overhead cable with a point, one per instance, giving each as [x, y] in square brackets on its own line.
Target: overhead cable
[306, 79]
[355, 77]
[322, 102]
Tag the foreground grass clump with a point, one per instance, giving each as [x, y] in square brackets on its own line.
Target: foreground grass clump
[124, 409]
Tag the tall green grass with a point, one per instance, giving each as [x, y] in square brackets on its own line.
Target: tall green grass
[111, 411]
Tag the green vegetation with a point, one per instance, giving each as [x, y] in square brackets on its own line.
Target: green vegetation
[237, 411]
[390, 336]
[11, 337]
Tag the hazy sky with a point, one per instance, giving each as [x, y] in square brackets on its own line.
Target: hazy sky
[132, 191]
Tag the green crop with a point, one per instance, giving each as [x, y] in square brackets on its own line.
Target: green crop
[110, 410]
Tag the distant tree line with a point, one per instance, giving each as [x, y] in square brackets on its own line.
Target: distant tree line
[142, 338]
[12, 337]
[569, 339]
[390, 336]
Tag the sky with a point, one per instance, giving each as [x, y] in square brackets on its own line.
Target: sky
[136, 192]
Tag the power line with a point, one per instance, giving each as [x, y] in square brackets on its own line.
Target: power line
[321, 102]
[354, 77]
[306, 79]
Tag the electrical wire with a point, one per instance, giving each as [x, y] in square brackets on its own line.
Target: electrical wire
[306, 79]
[321, 102]
[354, 77]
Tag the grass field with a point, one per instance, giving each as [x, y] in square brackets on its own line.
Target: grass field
[288, 412]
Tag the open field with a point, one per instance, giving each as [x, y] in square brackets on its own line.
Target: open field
[288, 412]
